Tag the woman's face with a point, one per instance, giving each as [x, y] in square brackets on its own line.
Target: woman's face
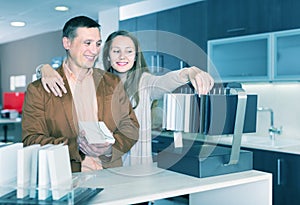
[122, 54]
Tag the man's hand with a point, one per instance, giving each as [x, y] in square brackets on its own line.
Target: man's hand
[94, 150]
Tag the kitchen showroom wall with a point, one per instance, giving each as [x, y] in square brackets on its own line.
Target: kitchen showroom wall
[284, 99]
[23, 56]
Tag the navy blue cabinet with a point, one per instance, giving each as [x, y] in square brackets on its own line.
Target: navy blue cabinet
[285, 169]
[145, 29]
[169, 38]
[228, 18]
[147, 35]
[179, 38]
[285, 14]
[128, 25]
[194, 30]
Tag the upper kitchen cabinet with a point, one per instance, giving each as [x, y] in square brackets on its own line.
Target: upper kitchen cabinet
[229, 18]
[128, 25]
[194, 23]
[285, 14]
[147, 35]
[194, 29]
[186, 37]
[168, 38]
[271, 56]
[179, 38]
[286, 55]
[145, 29]
[241, 59]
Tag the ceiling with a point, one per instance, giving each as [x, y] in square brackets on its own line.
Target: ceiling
[41, 17]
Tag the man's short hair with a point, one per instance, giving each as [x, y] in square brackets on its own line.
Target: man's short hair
[71, 26]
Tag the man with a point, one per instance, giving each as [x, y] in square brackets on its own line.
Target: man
[93, 95]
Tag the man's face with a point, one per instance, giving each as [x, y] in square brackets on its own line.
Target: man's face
[84, 49]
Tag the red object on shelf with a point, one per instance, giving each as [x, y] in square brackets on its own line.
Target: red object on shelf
[13, 100]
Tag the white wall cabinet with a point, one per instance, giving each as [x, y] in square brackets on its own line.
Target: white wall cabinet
[267, 57]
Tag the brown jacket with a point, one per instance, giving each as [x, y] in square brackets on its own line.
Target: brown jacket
[47, 119]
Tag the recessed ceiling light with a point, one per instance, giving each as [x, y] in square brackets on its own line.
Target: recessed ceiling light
[18, 23]
[61, 8]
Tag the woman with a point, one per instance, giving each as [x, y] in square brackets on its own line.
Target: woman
[122, 56]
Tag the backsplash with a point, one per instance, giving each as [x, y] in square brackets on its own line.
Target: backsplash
[284, 99]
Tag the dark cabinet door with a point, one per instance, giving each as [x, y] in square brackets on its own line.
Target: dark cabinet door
[184, 44]
[288, 182]
[167, 48]
[193, 26]
[286, 15]
[147, 35]
[285, 169]
[238, 17]
[267, 161]
[194, 31]
[168, 38]
[128, 25]
[145, 29]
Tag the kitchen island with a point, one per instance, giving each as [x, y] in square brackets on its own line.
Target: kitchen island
[281, 158]
[135, 184]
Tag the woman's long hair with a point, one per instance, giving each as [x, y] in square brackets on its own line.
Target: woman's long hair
[134, 74]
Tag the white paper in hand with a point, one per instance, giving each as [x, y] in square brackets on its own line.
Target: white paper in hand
[96, 132]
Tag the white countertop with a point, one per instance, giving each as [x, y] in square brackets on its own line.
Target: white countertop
[128, 185]
[282, 144]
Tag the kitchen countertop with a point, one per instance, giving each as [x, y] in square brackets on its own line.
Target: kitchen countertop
[135, 184]
[282, 144]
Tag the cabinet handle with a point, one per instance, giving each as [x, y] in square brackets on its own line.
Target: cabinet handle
[235, 30]
[152, 63]
[156, 64]
[181, 64]
[278, 56]
[159, 63]
[279, 162]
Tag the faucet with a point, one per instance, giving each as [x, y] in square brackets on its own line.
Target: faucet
[272, 129]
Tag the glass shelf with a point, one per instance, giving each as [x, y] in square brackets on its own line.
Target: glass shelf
[74, 193]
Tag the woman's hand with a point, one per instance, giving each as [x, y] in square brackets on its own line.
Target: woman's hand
[201, 80]
[51, 80]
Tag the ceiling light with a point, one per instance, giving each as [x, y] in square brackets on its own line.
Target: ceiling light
[61, 8]
[18, 23]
